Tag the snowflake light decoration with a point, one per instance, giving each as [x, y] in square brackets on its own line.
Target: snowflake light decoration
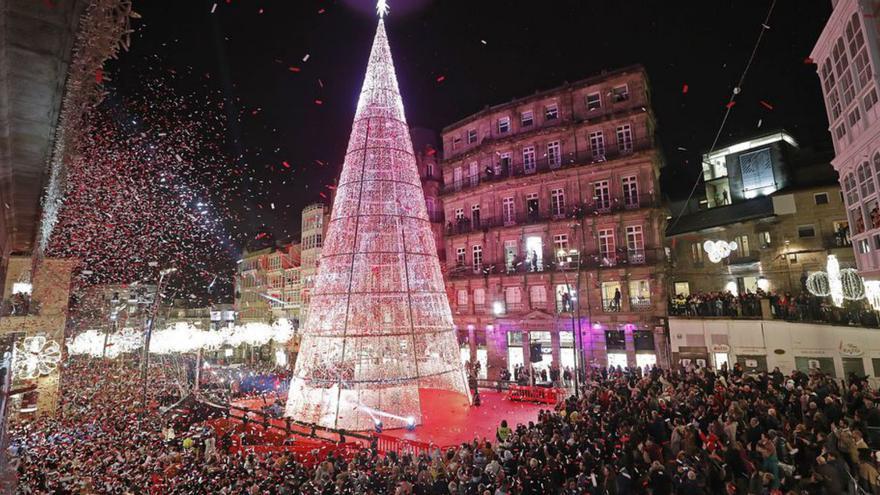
[718, 250]
[36, 356]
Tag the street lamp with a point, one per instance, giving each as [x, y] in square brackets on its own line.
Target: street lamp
[146, 359]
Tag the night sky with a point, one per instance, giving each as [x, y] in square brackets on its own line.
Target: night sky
[486, 52]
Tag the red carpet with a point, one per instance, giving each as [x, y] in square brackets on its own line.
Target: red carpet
[447, 419]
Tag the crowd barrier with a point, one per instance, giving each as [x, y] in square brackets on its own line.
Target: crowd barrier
[544, 395]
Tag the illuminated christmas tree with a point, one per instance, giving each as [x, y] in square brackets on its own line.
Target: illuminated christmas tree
[379, 327]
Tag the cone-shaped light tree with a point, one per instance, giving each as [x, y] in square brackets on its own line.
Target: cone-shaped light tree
[379, 327]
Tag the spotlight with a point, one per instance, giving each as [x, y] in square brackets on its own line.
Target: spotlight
[410, 423]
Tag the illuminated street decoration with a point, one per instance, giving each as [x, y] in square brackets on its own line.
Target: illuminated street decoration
[718, 250]
[838, 283]
[379, 327]
[180, 338]
[872, 293]
[36, 356]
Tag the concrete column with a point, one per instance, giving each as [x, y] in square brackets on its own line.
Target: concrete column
[630, 346]
[554, 343]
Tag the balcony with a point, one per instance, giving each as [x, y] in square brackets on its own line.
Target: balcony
[610, 305]
[567, 160]
[837, 241]
[589, 260]
[467, 225]
[641, 304]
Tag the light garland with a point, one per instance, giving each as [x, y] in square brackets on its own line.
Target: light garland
[872, 293]
[36, 356]
[718, 250]
[180, 338]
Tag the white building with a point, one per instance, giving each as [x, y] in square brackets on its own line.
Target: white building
[847, 55]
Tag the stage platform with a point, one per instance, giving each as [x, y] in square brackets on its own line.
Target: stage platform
[448, 419]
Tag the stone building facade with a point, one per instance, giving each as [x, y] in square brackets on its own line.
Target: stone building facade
[268, 285]
[784, 224]
[847, 55]
[554, 229]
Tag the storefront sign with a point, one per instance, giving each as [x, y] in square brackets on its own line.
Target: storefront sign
[751, 363]
[850, 349]
[720, 348]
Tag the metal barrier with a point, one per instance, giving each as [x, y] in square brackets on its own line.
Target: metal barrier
[544, 395]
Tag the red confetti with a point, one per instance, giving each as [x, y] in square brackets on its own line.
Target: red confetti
[684, 89]
[286, 165]
[766, 105]
[293, 69]
[319, 102]
[323, 195]
[99, 76]
[321, 11]
[808, 60]
[441, 79]
[730, 104]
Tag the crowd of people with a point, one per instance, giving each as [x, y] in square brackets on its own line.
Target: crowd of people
[802, 306]
[686, 431]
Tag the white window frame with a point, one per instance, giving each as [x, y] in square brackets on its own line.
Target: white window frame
[551, 112]
[602, 195]
[477, 257]
[504, 125]
[554, 154]
[630, 185]
[596, 104]
[471, 136]
[624, 138]
[597, 145]
[527, 118]
[508, 210]
[460, 256]
[620, 96]
[530, 165]
[557, 202]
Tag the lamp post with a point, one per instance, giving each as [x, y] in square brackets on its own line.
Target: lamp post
[577, 310]
[152, 323]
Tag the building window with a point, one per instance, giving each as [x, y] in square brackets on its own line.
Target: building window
[460, 256]
[429, 168]
[866, 180]
[820, 198]
[473, 174]
[532, 206]
[630, 192]
[475, 216]
[864, 247]
[507, 209]
[624, 138]
[620, 93]
[639, 294]
[682, 289]
[456, 143]
[538, 296]
[560, 244]
[472, 136]
[829, 85]
[697, 253]
[844, 76]
[611, 296]
[854, 117]
[870, 99]
[635, 244]
[742, 245]
[602, 195]
[606, 247]
[503, 163]
[479, 297]
[764, 239]
[557, 202]
[503, 125]
[527, 118]
[597, 146]
[849, 187]
[554, 154]
[840, 132]
[459, 215]
[512, 297]
[757, 171]
[551, 112]
[477, 258]
[462, 297]
[529, 165]
[806, 231]
[856, 41]
[510, 255]
[594, 101]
